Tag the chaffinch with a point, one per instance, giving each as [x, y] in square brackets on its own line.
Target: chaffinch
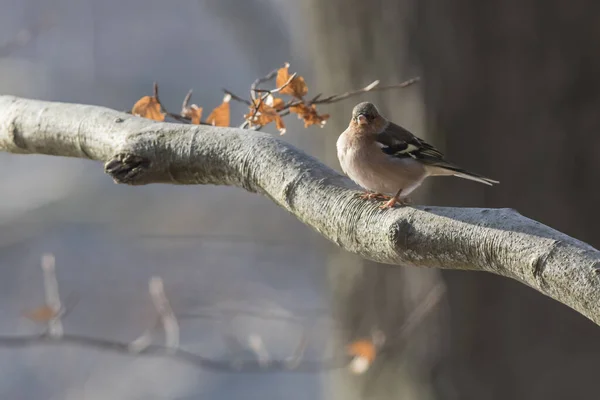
[386, 159]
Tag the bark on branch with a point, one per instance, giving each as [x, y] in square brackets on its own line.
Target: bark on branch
[137, 151]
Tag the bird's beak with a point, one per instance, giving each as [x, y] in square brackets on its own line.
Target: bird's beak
[362, 120]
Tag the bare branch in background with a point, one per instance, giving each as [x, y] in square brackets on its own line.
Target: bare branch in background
[256, 344]
[176, 117]
[55, 327]
[261, 361]
[264, 107]
[164, 310]
[305, 109]
[422, 310]
[372, 87]
[142, 342]
[253, 88]
[259, 104]
[298, 353]
[237, 98]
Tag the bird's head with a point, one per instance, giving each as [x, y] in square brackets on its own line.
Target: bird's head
[366, 118]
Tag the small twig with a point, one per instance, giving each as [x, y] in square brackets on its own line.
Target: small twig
[186, 100]
[164, 310]
[142, 342]
[317, 97]
[423, 309]
[271, 91]
[256, 108]
[262, 80]
[256, 344]
[153, 350]
[184, 107]
[237, 98]
[176, 117]
[253, 90]
[296, 317]
[372, 87]
[55, 327]
[298, 353]
[266, 94]
[155, 91]
[257, 102]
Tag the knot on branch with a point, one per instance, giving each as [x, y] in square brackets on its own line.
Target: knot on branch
[126, 168]
[16, 137]
[400, 234]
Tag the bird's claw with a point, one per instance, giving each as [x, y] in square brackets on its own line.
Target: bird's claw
[395, 201]
[374, 196]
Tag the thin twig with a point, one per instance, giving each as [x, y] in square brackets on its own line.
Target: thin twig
[155, 91]
[142, 342]
[423, 309]
[237, 98]
[256, 344]
[164, 310]
[163, 109]
[153, 350]
[186, 101]
[143, 345]
[262, 80]
[55, 327]
[284, 111]
[271, 91]
[266, 94]
[298, 353]
[372, 87]
[296, 317]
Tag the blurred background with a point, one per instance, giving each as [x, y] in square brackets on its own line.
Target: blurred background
[509, 90]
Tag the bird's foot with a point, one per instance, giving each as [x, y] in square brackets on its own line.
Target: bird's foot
[374, 196]
[395, 201]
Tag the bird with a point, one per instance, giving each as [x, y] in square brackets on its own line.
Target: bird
[389, 161]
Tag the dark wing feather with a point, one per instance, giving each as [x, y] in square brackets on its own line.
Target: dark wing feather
[398, 142]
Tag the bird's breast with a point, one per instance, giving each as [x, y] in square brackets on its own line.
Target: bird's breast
[374, 170]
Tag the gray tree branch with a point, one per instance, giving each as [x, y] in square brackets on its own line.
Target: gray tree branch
[137, 151]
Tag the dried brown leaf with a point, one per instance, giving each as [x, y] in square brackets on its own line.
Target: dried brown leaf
[266, 113]
[277, 103]
[41, 314]
[309, 114]
[220, 116]
[363, 348]
[296, 88]
[194, 113]
[148, 107]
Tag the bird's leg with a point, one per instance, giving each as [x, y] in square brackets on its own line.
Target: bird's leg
[374, 196]
[395, 200]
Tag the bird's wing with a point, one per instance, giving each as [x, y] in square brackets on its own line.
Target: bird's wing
[397, 142]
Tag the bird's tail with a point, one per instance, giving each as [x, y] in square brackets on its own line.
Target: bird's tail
[447, 169]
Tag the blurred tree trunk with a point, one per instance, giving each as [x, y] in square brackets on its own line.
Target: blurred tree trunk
[352, 43]
[513, 84]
